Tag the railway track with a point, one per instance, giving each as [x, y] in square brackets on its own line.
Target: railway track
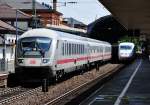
[8, 91]
[57, 95]
[72, 94]
[11, 95]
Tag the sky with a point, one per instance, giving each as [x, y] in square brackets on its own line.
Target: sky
[85, 11]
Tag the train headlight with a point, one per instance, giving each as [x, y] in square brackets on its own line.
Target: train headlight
[20, 60]
[45, 60]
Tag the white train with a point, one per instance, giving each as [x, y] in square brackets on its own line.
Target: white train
[126, 51]
[47, 53]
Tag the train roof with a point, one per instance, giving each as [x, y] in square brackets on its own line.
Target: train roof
[55, 34]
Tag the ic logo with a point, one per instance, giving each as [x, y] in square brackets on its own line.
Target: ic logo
[32, 61]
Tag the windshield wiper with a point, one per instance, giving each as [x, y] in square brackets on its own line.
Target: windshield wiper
[42, 52]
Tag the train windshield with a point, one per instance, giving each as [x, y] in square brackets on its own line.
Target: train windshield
[35, 45]
[125, 47]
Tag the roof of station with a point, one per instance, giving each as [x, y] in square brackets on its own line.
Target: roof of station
[4, 25]
[6, 28]
[23, 4]
[132, 14]
[7, 12]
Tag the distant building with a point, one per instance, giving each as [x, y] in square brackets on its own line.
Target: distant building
[67, 29]
[71, 22]
[8, 15]
[43, 11]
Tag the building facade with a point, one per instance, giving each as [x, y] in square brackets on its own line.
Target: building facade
[71, 22]
[45, 13]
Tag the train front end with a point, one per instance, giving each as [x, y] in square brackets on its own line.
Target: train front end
[126, 51]
[33, 57]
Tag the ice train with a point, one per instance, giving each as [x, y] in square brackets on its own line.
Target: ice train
[45, 53]
[126, 51]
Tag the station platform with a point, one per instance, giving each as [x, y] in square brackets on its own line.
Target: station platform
[131, 86]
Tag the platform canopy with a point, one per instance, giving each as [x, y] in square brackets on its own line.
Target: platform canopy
[6, 28]
[132, 14]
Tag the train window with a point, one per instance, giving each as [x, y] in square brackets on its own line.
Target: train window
[69, 49]
[38, 44]
[77, 48]
[63, 49]
[72, 48]
[107, 49]
[101, 49]
[125, 47]
[66, 48]
[81, 49]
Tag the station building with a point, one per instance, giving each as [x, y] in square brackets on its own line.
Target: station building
[44, 12]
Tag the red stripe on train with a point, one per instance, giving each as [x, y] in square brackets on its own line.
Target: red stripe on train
[63, 61]
[82, 58]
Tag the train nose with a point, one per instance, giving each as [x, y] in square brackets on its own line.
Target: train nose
[124, 54]
[33, 61]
